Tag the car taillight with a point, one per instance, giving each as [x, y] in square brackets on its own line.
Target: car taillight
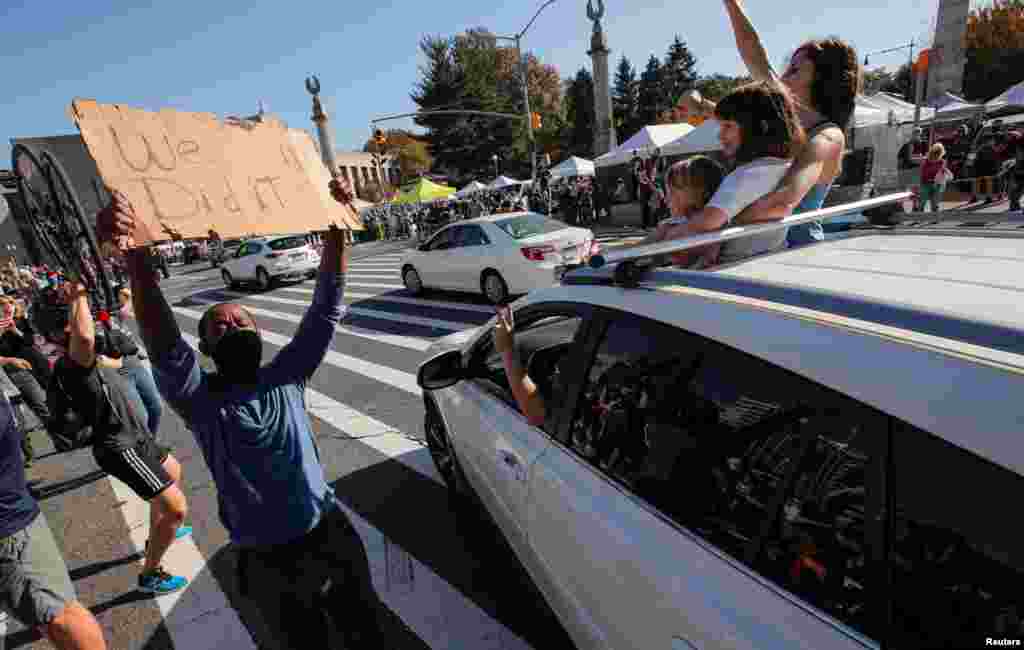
[537, 253]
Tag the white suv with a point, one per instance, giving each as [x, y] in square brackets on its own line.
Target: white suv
[266, 259]
[806, 449]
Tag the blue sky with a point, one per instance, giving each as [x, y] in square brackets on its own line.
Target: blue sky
[223, 56]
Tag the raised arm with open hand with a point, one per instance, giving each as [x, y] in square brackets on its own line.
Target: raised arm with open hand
[749, 43]
[117, 227]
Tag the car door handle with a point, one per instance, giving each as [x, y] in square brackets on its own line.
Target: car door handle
[511, 464]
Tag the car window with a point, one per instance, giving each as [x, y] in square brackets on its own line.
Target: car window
[957, 555]
[232, 243]
[287, 243]
[528, 225]
[763, 464]
[441, 240]
[540, 343]
[242, 250]
[471, 235]
[253, 248]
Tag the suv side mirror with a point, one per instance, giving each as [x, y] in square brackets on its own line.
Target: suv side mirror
[442, 371]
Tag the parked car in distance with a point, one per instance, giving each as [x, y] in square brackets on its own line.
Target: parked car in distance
[498, 255]
[266, 259]
[800, 450]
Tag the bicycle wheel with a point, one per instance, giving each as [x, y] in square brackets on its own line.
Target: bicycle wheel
[38, 200]
[78, 232]
[57, 218]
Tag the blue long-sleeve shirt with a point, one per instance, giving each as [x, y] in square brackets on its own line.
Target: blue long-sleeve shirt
[258, 442]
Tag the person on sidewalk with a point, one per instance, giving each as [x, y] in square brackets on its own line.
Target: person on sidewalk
[28, 371]
[300, 557]
[1016, 175]
[35, 587]
[933, 181]
[121, 444]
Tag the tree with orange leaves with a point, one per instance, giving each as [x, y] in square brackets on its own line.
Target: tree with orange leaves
[994, 46]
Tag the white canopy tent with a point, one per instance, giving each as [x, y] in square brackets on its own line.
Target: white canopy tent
[646, 140]
[904, 110]
[573, 167]
[503, 181]
[1014, 96]
[701, 139]
[475, 186]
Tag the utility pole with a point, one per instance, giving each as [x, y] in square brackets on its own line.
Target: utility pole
[524, 69]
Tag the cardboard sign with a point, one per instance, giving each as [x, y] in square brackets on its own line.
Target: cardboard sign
[190, 172]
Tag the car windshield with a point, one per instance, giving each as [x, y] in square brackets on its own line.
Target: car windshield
[528, 225]
[287, 243]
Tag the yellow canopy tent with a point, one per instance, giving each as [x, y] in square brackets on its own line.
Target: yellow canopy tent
[423, 190]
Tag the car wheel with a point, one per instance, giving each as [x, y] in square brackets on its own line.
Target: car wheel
[229, 281]
[263, 279]
[413, 282]
[494, 287]
[443, 454]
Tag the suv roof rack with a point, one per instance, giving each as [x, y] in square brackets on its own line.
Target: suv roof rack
[633, 262]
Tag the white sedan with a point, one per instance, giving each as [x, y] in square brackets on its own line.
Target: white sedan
[265, 259]
[498, 255]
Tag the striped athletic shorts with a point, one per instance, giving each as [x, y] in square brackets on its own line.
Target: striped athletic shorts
[140, 467]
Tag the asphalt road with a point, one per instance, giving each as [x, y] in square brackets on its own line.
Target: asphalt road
[448, 580]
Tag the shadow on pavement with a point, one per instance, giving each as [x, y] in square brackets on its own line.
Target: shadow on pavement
[46, 491]
[100, 567]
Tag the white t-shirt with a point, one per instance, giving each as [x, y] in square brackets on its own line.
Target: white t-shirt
[743, 186]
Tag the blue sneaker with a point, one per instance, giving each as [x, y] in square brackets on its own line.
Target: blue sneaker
[158, 582]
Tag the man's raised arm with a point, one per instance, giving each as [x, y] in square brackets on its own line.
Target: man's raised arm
[175, 364]
[299, 359]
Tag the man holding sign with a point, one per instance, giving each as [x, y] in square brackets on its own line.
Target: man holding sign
[299, 552]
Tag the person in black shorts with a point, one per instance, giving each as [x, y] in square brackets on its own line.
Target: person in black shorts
[122, 444]
[35, 587]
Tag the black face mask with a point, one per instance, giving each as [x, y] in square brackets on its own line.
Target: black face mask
[238, 355]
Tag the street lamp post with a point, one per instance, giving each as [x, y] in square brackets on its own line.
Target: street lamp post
[494, 159]
[524, 71]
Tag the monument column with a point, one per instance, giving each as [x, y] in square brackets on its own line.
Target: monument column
[604, 124]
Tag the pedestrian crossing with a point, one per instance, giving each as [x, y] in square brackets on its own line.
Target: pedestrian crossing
[367, 411]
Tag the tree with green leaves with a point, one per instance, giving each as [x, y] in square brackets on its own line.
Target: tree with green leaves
[678, 74]
[717, 86]
[624, 99]
[650, 94]
[580, 114]
[470, 72]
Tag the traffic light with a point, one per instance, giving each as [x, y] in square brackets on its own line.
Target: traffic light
[535, 120]
[379, 138]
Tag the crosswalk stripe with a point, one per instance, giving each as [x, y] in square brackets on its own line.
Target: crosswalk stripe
[374, 285]
[419, 302]
[396, 378]
[373, 276]
[376, 262]
[410, 342]
[454, 326]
